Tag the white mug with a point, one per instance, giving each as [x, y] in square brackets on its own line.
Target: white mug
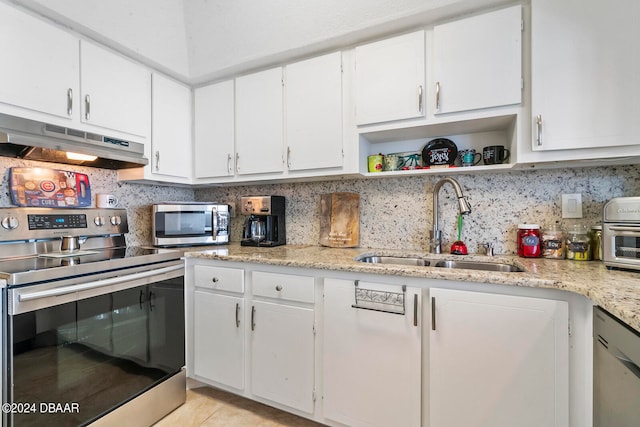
[106, 201]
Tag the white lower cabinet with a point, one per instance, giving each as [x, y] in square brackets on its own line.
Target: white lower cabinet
[489, 356]
[282, 339]
[371, 359]
[497, 360]
[215, 325]
[218, 345]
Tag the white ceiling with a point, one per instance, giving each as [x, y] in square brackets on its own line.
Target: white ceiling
[204, 40]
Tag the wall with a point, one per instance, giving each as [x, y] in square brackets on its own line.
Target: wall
[136, 198]
[396, 213]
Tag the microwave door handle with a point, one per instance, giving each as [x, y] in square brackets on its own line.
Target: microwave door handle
[623, 228]
[216, 220]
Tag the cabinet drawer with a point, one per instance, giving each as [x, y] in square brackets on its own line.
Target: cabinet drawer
[219, 278]
[283, 286]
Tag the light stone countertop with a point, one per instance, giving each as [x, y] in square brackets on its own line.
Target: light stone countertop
[616, 291]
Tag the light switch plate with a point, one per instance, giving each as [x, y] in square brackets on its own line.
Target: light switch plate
[572, 205]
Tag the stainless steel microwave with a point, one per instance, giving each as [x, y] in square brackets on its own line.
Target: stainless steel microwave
[189, 224]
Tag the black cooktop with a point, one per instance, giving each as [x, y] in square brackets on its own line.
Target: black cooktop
[48, 267]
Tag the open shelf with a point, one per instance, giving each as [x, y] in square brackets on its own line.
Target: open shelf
[474, 133]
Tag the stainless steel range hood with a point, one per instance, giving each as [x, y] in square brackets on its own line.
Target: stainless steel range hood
[32, 140]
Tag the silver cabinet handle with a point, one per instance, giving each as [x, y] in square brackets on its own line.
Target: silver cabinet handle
[237, 162]
[237, 315]
[253, 317]
[415, 309]
[229, 170]
[87, 107]
[437, 96]
[278, 288]
[433, 313]
[420, 98]
[539, 128]
[157, 161]
[288, 157]
[70, 102]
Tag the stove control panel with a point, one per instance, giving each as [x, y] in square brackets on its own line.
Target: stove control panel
[47, 223]
[56, 221]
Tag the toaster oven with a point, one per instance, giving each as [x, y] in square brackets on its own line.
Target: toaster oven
[190, 224]
[621, 233]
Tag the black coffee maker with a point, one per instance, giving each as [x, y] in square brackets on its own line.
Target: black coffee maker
[264, 221]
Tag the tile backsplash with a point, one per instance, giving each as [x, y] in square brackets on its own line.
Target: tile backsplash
[136, 198]
[395, 213]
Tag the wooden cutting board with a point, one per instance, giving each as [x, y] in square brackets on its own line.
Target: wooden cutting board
[340, 220]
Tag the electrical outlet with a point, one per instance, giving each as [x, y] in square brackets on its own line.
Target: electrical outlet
[572, 205]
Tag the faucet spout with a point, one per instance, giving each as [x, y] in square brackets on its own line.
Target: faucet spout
[464, 207]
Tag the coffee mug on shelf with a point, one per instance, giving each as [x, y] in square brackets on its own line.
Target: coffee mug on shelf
[469, 157]
[106, 201]
[495, 154]
[375, 163]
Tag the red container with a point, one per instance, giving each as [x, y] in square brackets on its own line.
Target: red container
[529, 240]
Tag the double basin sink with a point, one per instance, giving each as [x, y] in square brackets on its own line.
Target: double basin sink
[425, 262]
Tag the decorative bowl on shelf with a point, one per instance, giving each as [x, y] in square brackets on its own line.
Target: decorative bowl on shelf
[440, 152]
[408, 160]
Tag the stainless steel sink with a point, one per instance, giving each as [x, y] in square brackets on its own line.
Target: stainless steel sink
[478, 265]
[394, 260]
[416, 261]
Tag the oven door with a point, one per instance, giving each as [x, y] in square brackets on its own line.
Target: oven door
[621, 245]
[78, 351]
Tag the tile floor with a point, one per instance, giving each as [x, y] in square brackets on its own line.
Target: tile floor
[207, 406]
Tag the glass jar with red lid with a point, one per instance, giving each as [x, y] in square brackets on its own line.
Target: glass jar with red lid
[529, 240]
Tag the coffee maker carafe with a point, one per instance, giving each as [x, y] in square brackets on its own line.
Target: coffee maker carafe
[264, 221]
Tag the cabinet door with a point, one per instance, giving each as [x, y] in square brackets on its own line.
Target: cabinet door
[218, 338]
[259, 126]
[503, 359]
[282, 349]
[171, 128]
[477, 61]
[372, 359]
[116, 93]
[313, 123]
[586, 73]
[214, 130]
[40, 68]
[389, 79]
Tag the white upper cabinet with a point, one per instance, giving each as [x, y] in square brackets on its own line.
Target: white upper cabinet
[313, 102]
[478, 61]
[40, 68]
[171, 128]
[116, 93]
[390, 79]
[497, 360]
[214, 130]
[586, 74]
[259, 122]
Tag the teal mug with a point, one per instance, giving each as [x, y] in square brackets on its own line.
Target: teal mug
[469, 157]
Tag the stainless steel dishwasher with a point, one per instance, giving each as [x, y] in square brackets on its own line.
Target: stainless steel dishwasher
[616, 376]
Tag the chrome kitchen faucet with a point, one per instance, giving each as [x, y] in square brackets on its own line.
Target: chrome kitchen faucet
[435, 241]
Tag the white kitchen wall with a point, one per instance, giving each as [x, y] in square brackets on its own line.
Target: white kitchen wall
[396, 213]
[136, 198]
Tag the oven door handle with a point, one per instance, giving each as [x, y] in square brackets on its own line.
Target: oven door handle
[97, 284]
[621, 228]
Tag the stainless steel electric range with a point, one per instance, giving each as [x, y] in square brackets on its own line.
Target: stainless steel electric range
[93, 333]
